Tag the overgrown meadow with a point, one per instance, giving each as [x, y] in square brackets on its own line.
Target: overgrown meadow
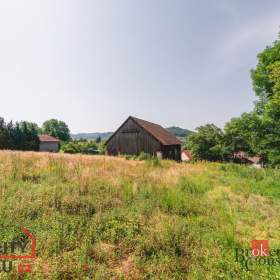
[98, 217]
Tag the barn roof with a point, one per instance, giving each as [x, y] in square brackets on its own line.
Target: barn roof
[157, 131]
[48, 138]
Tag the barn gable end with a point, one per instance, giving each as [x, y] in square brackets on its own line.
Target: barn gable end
[135, 136]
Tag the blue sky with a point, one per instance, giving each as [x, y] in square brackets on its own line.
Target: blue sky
[92, 63]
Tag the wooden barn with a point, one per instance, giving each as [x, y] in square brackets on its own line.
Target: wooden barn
[135, 136]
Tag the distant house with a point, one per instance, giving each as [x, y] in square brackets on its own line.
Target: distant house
[186, 155]
[243, 157]
[135, 136]
[48, 143]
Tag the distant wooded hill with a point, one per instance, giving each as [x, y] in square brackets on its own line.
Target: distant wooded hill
[177, 131]
[92, 135]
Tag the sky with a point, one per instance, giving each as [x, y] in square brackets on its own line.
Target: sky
[93, 63]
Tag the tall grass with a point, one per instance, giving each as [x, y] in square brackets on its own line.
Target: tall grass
[100, 217]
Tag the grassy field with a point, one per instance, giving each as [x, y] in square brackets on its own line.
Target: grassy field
[98, 217]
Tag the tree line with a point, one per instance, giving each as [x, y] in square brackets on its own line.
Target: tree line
[256, 132]
[24, 135]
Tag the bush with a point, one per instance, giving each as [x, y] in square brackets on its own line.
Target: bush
[81, 147]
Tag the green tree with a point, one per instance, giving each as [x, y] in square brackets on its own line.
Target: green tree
[271, 122]
[263, 85]
[207, 143]
[244, 134]
[19, 136]
[30, 138]
[4, 135]
[24, 136]
[266, 82]
[57, 129]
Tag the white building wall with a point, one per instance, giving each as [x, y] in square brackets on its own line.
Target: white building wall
[184, 157]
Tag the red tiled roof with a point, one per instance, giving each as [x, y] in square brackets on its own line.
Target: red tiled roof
[161, 134]
[48, 138]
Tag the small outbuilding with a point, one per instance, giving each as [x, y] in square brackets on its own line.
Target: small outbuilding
[48, 143]
[243, 157]
[186, 155]
[135, 136]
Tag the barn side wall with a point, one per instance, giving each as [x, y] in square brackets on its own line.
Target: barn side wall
[132, 139]
[48, 147]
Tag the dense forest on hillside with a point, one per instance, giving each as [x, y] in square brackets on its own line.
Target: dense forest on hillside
[92, 135]
[179, 132]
